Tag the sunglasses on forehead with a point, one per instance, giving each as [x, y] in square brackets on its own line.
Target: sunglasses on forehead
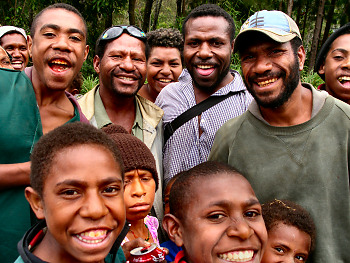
[116, 31]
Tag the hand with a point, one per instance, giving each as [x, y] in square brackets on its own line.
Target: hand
[130, 245]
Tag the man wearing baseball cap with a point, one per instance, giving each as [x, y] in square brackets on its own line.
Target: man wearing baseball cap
[14, 41]
[293, 142]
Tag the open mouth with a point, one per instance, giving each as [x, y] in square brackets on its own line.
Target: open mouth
[205, 69]
[59, 65]
[267, 82]
[92, 236]
[344, 79]
[17, 64]
[238, 256]
[165, 80]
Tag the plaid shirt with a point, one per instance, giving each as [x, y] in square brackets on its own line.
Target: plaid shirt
[185, 149]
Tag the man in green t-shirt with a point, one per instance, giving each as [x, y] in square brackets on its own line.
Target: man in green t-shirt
[293, 142]
[33, 103]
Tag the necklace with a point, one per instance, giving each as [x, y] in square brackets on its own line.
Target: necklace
[146, 239]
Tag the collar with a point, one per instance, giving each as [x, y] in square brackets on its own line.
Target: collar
[318, 100]
[180, 257]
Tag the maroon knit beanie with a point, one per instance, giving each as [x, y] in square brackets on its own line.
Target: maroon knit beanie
[134, 152]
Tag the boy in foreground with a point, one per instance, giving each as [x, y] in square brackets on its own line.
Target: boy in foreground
[77, 190]
[215, 216]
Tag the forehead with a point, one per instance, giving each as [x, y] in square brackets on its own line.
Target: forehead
[259, 42]
[61, 18]
[231, 190]
[207, 26]
[13, 38]
[3, 54]
[342, 42]
[126, 43]
[290, 235]
[165, 52]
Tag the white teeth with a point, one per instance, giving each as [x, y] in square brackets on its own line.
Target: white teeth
[165, 80]
[86, 236]
[205, 66]
[125, 78]
[344, 78]
[238, 256]
[266, 82]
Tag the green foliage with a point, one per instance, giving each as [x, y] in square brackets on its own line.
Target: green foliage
[312, 78]
[88, 83]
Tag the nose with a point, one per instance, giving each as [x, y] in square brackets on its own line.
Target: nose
[62, 43]
[16, 53]
[240, 228]
[204, 51]
[166, 71]
[262, 64]
[94, 206]
[346, 64]
[137, 189]
[127, 64]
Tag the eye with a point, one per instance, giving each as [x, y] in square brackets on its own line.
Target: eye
[75, 38]
[127, 181]
[217, 43]
[146, 179]
[247, 58]
[193, 44]
[49, 34]
[69, 192]
[279, 249]
[174, 64]
[338, 57]
[252, 213]
[155, 64]
[301, 258]
[23, 48]
[112, 189]
[216, 216]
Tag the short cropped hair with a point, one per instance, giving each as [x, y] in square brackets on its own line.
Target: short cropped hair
[211, 10]
[181, 192]
[291, 214]
[66, 136]
[57, 6]
[164, 37]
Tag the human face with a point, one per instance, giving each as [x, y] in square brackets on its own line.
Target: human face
[83, 204]
[166, 197]
[4, 59]
[163, 67]
[16, 45]
[122, 69]
[286, 244]
[58, 48]
[224, 222]
[271, 71]
[207, 52]
[336, 68]
[140, 189]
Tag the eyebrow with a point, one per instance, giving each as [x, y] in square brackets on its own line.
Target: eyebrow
[57, 27]
[79, 183]
[225, 203]
[340, 50]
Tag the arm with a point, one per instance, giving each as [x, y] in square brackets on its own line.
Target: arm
[15, 174]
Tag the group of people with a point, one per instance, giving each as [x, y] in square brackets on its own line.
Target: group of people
[87, 177]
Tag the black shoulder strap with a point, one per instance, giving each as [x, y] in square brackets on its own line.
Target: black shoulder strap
[192, 112]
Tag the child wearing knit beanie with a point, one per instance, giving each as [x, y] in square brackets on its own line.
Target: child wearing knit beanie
[141, 183]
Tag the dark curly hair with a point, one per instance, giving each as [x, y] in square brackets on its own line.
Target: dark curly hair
[211, 10]
[181, 192]
[63, 137]
[289, 213]
[164, 37]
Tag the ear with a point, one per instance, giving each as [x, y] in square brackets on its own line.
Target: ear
[232, 46]
[96, 63]
[86, 52]
[301, 56]
[35, 202]
[30, 45]
[321, 69]
[173, 227]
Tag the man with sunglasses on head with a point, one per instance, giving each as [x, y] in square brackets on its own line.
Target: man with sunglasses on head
[120, 62]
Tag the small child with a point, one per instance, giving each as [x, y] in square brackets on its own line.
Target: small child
[291, 232]
[141, 183]
[215, 216]
[77, 190]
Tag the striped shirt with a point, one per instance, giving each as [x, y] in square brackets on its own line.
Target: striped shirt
[185, 149]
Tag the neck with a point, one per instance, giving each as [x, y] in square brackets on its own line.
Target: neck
[296, 110]
[138, 229]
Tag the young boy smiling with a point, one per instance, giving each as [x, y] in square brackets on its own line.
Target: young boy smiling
[215, 216]
[77, 189]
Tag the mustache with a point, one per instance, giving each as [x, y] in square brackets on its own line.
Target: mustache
[118, 71]
[267, 75]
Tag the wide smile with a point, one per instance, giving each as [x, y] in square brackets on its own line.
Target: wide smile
[17, 63]
[237, 256]
[59, 65]
[95, 236]
[265, 83]
[344, 80]
[165, 81]
[205, 69]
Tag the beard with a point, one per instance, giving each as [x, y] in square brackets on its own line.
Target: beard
[118, 93]
[289, 85]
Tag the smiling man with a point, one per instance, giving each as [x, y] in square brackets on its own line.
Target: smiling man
[34, 103]
[14, 41]
[292, 143]
[208, 33]
[120, 62]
